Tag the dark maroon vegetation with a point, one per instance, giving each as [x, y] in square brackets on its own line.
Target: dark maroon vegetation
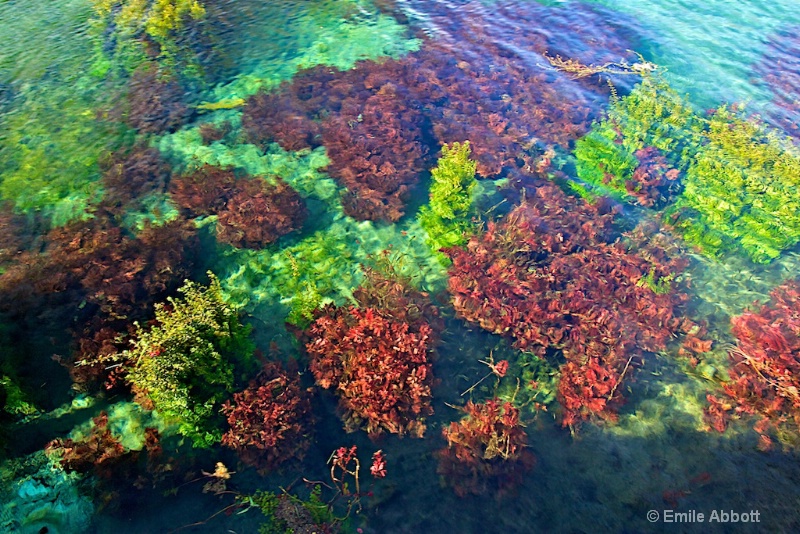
[269, 421]
[157, 103]
[211, 133]
[382, 121]
[204, 191]
[95, 277]
[130, 175]
[258, 213]
[252, 212]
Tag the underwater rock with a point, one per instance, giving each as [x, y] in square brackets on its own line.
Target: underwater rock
[41, 496]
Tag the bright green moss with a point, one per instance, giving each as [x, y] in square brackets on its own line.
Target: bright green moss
[185, 363]
[445, 217]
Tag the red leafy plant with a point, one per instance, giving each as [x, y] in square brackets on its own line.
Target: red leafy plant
[252, 212]
[345, 465]
[156, 102]
[101, 278]
[269, 420]
[204, 191]
[130, 175]
[486, 450]
[378, 367]
[382, 120]
[100, 452]
[653, 182]
[258, 213]
[765, 369]
[553, 276]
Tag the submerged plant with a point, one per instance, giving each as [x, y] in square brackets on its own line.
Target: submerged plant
[742, 190]
[378, 367]
[486, 450]
[445, 216]
[268, 420]
[652, 120]
[162, 22]
[765, 369]
[183, 365]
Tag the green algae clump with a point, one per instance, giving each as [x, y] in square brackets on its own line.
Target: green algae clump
[183, 366]
[445, 216]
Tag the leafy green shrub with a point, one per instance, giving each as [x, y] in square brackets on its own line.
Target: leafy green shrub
[445, 216]
[743, 189]
[184, 364]
[652, 115]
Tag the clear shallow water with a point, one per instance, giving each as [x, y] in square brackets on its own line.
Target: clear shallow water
[68, 103]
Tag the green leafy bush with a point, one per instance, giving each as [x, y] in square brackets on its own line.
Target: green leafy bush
[445, 216]
[743, 189]
[652, 115]
[184, 364]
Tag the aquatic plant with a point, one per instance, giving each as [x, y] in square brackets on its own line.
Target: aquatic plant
[130, 175]
[385, 288]
[741, 190]
[288, 513]
[278, 117]
[50, 149]
[486, 450]
[205, 191]
[98, 276]
[378, 367]
[13, 400]
[211, 133]
[182, 366]
[158, 28]
[638, 150]
[550, 277]
[444, 218]
[99, 452]
[764, 369]
[269, 419]
[155, 102]
[258, 213]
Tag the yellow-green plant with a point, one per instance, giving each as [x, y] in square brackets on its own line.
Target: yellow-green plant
[445, 217]
[743, 189]
[160, 20]
[184, 363]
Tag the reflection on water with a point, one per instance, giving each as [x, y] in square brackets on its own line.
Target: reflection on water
[506, 266]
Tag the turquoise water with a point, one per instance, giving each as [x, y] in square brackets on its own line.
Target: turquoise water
[294, 150]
